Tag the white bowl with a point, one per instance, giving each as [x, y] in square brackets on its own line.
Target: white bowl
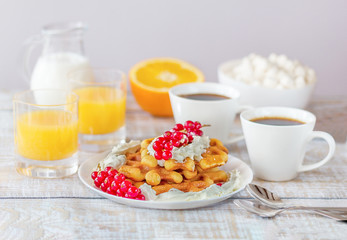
[259, 96]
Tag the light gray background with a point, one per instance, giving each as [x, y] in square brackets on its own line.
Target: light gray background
[203, 32]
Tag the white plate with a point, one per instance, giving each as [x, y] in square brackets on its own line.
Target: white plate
[87, 167]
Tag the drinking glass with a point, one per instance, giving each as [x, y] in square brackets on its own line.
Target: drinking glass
[46, 135]
[102, 102]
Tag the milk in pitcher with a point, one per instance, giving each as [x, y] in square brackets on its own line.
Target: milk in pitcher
[51, 71]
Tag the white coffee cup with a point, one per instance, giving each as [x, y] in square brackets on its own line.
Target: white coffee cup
[219, 114]
[277, 152]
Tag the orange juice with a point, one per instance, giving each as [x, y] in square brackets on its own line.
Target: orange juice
[101, 109]
[47, 135]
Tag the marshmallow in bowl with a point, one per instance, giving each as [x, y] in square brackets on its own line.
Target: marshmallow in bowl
[276, 71]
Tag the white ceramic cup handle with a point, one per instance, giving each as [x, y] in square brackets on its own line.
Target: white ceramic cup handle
[239, 137]
[244, 108]
[331, 142]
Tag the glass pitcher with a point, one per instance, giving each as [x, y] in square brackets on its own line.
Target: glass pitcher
[62, 51]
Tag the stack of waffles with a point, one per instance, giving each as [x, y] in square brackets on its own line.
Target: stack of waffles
[190, 175]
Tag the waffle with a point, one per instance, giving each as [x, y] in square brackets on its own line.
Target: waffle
[155, 176]
[189, 176]
[187, 165]
[185, 186]
[147, 159]
[216, 155]
[135, 170]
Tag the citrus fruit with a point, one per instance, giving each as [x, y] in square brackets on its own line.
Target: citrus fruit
[150, 81]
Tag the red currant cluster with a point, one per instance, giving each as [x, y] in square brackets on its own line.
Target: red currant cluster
[114, 183]
[180, 135]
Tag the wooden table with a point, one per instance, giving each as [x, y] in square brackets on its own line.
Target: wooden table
[66, 209]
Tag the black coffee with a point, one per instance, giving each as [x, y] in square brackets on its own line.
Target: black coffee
[277, 121]
[205, 96]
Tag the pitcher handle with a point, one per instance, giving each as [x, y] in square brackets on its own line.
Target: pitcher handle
[26, 52]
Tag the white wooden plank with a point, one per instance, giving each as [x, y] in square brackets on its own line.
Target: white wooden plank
[103, 219]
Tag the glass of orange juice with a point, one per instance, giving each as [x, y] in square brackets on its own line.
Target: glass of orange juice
[102, 102]
[46, 133]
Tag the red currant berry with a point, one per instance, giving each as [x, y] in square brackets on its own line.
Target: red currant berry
[157, 146]
[178, 127]
[167, 140]
[140, 197]
[125, 186]
[94, 174]
[114, 186]
[167, 155]
[97, 182]
[112, 172]
[177, 136]
[119, 193]
[102, 175]
[119, 178]
[167, 135]
[168, 146]
[199, 133]
[126, 195]
[188, 124]
[197, 125]
[176, 144]
[161, 139]
[109, 180]
[189, 130]
[100, 179]
[185, 140]
[158, 155]
[109, 191]
[108, 168]
[103, 187]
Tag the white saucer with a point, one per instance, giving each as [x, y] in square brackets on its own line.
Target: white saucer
[85, 170]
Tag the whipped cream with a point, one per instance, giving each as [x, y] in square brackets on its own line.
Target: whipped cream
[213, 191]
[193, 150]
[116, 158]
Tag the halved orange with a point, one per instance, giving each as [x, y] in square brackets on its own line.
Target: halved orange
[150, 81]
